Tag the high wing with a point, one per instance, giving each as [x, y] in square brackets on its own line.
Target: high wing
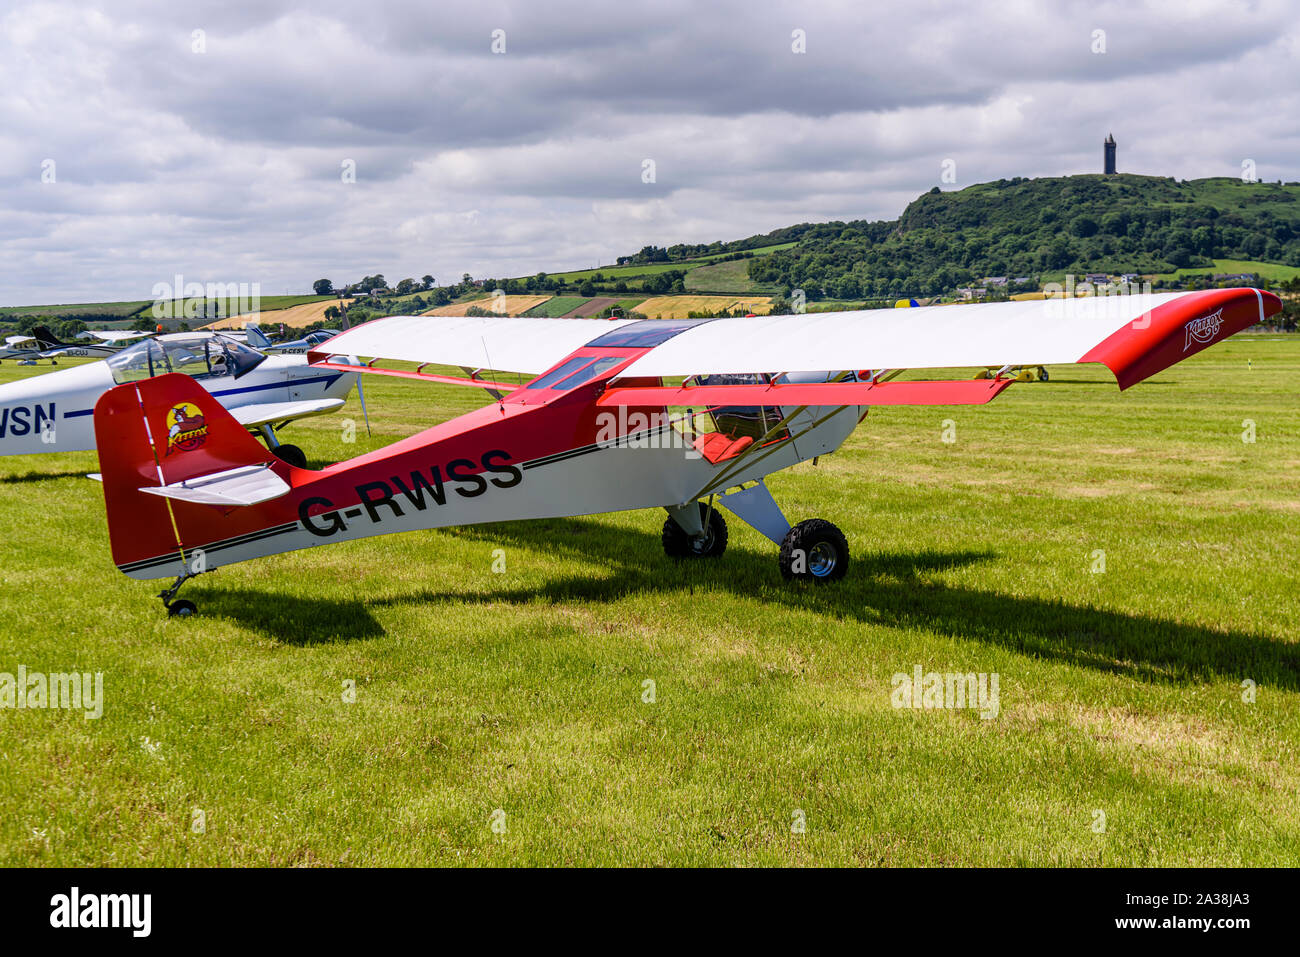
[264, 413]
[1135, 336]
[508, 345]
[109, 335]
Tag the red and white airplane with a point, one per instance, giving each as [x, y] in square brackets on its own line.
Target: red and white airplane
[599, 428]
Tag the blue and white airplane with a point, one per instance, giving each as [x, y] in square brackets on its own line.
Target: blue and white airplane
[54, 412]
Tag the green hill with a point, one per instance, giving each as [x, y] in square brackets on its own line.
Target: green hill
[1041, 229]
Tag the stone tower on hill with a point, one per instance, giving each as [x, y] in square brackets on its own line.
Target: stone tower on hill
[1109, 147]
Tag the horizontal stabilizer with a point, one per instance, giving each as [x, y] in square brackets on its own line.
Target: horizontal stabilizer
[245, 485]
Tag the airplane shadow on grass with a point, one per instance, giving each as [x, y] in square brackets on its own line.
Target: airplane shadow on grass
[286, 618]
[895, 589]
[41, 476]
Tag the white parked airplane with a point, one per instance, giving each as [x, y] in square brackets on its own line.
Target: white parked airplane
[55, 412]
[92, 346]
[23, 348]
[43, 344]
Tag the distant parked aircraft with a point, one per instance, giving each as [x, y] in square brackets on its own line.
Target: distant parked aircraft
[259, 340]
[54, 412]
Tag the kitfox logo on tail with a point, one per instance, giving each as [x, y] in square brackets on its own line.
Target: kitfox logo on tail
[186, 428]
[1204, 329]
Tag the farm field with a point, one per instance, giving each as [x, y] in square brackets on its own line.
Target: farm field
[125, 311]
[514, 305]
[556, 306]
[1266, 270]
[730, 276]
[592, 307]
[650, 269]
[678, 307]
[73, 310]
[294, 316]
[521, 695]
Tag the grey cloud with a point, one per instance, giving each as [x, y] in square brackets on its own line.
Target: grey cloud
[228, 162]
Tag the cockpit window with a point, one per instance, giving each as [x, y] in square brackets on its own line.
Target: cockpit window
[140, 361]
[201, 355]
[645, 333]
[599, 367]
[567, 369]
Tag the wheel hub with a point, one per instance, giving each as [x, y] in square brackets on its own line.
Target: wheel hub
[822, 560]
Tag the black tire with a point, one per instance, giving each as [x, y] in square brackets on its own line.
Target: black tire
[1042, 374]
[291, 454]
[183, 608]
[677, 544]
[814, 550]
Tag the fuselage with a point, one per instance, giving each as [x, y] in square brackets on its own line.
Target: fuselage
[545, 450]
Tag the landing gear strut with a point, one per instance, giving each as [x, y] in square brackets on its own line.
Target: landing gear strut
[183, 608]
[814, 550]
[710, 539]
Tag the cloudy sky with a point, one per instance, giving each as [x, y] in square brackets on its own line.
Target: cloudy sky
[139, 140]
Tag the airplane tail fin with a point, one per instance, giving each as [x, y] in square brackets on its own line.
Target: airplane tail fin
[43, 334]
[256, 337]
[176, 469]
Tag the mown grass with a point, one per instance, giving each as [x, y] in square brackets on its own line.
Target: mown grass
[1120, 691]
[1265, 270]
[729, 276]
[650, 269]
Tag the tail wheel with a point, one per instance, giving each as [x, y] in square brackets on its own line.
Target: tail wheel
[814, 550]
[183, 608]
[677, 544]
[291, 454]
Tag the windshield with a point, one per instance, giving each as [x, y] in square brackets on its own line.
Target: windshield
[571, 366]
[140, 361]
[200, 354]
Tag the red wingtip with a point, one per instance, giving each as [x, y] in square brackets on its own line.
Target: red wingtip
[1170, 333]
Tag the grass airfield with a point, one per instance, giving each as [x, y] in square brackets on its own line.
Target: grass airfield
[499, 717]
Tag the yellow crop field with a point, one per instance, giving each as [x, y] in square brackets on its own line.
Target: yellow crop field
[296, 317]
[514, 305]
[679, 307]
